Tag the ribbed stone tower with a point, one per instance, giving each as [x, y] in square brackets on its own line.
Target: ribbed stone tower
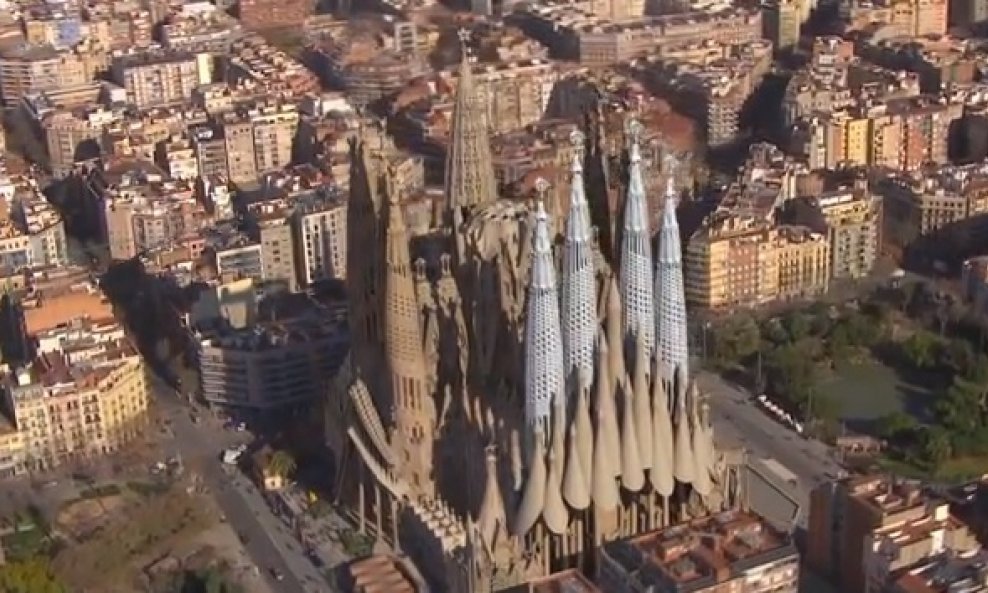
[544, 378]
[469, 174]
[670, 298]
[579, 297]
[636, 251]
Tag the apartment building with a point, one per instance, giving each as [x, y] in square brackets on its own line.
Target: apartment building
[54, 297]
[321, 232]
[712, 80]
[233, 254]
[155, 78]
[141, 214]
[250, 60]
[73, 136]
[851, 219]
[35, 218]
[891, 548]
[741, 261]
[733, 550]
[947, 572]
[950, 197]
[276, 236]
[271, 364]
[516, 93]
[782, 20]
[37, 68]
[274, 128]
[861, 527]
[596, 41]
[570, 581]
[76, 403]
[903, 133]
[260, 15]
[905, 18]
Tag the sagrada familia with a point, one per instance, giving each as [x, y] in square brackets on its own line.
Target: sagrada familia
[504, 412]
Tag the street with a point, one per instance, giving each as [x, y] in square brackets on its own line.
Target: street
[737, 418]
[268, 541]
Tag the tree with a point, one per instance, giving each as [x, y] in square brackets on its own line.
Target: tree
[921, 349]
[791, 374]
[797, 325]
[936, 446]
[29, 576]
[960, 408]
[896, 425]
[281, 463]
[735, 341]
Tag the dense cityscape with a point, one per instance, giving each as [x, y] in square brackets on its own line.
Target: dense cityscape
[401, 296]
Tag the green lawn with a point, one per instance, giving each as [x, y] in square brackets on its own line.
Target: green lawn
[869, 390]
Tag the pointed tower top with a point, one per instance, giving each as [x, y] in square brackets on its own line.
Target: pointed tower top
[492, 516]
[469, 173]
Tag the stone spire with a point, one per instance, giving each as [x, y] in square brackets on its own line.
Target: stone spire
[670, 299]
[533, 495]
[660, 476]
[364, 261]
[636, 250]
[413, 405]
[702, 446]
[606, 409]
[642, 403]
[576, 491]
[555, 513]
[492, 520]
[544, 379]
[632, 476]
[579, 314]
[470, 178]
[683, 463]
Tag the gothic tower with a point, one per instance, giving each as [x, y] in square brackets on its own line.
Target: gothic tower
[636, 252]
[544, 379]
[670, 299]
[579, 294]
[413, 431]
[470, 178]
[363, 257]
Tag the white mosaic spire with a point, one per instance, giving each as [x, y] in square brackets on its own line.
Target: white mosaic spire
[636, 251]
[579, 297]
[670, 298]
[544, 378]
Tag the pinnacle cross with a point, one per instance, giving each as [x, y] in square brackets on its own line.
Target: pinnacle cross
[542, 186]
[634, 130]
[464, 36]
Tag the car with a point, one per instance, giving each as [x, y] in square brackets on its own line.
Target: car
[277, 574]
[242, 427]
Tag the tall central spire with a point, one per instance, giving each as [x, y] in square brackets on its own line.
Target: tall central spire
[543, 338]
[579, 298]
[413, 405]
[636, 251]
[670, 299]
[469, 170]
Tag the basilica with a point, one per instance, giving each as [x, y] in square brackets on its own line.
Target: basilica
[520, 392]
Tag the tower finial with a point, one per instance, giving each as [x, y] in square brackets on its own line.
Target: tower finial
[542, 187]
[463, 34]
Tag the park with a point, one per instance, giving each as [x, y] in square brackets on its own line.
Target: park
[904, 364]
